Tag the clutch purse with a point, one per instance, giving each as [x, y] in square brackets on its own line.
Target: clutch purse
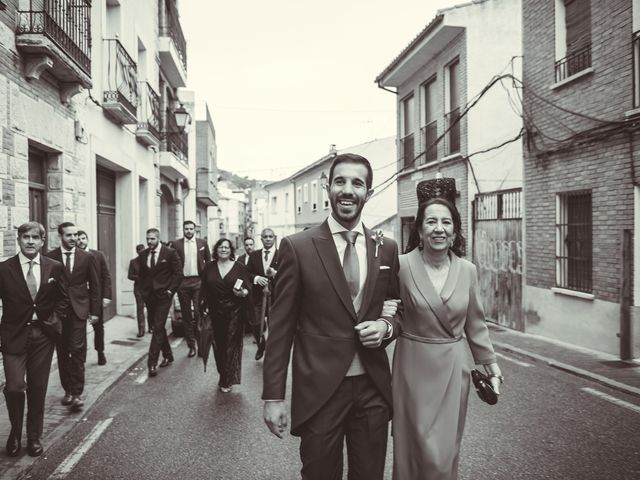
[483, 387]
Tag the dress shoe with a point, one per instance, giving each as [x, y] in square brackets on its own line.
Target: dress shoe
[260, 352]
[102, 360]
[140, 333]
[153, 370]
[166, 362]
[225, 389]
[76, 403]
[192, 352]
[151, 330]
[13, 445]
[34, 448]
[66, 400]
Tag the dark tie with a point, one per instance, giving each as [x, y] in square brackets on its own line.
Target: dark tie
[266, 255]
[153, 259]
[31, 282]
[67, 264]
[350, 263]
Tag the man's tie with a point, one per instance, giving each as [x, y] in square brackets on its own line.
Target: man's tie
[266, 255]
[153, 259]
[67, 264]
[350, 263]
[31, 282]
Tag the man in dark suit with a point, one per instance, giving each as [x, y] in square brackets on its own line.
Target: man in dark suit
[34, 297]
[194, 255]
[332, 282]
[105, 289]
[262, 266]
[84, 294]
[248, 248]
[160, 275]
[134, 275]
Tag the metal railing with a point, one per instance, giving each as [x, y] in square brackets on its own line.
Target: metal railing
[573, 63]
[574, 246]
[429, 142]
[121, 76]
[149, 111]
[408, 150]
[177, 141]
[67, 23]
[453, 120]
[172, 28]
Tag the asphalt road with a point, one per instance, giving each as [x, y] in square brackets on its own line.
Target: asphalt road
[178, 426]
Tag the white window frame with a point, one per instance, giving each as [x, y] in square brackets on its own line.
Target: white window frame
[314, 196]
[299, 199]
[305, 193]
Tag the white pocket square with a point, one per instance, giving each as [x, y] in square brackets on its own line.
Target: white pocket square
[163, 261]
[384, 267]
[201, 248]
[51, 280]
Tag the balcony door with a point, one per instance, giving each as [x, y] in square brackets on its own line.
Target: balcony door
[106, 211]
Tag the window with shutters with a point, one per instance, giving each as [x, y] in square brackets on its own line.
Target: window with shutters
[573, 37]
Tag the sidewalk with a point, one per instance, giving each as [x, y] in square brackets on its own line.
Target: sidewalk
[599, 367]
[122, 349]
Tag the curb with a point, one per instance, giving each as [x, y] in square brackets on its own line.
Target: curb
[579, 372]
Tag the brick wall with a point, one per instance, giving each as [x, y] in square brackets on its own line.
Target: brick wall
[605, 166]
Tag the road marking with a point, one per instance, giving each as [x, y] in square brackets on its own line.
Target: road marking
[614, 400]
[517, 362]
[83, 447]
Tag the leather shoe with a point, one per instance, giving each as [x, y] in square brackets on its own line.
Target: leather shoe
[260, 352]
[66, 400]
[102, 360]
[76, 403]
[153, 371]
[34, 448]
[192, 352]
[13, 445]
[140, 333]
[166, 362]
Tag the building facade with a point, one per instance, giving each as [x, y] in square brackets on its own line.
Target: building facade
[581, 98]
[280, 209]
[447, 116]
[206, 174]
[234, 207]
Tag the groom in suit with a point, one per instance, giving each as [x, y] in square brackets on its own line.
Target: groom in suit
[33, 289]
[332, 282]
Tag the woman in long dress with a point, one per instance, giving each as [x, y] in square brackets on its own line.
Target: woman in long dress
[225, 300]
[431, 375]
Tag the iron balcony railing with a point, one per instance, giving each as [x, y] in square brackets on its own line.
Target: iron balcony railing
[573, 63]
[149, 109]
[121, 76]
[408, 150]
[429, 139]
[453, 120]
[172, 28]
[67, 23]
[636, 69]
[177, 141]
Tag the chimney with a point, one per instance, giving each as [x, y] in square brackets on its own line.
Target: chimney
[332, 149]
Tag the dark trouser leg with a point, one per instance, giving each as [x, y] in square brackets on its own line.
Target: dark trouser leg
[77, 348]
[140, 311]
[98, 332]
[367, 430]
[220, 342]
[62, 352]
[14, 370]
[158, 306]
[38, 368]
[255, 326]
[188, 295]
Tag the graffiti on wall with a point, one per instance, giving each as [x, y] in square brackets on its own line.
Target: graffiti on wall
[498, 255]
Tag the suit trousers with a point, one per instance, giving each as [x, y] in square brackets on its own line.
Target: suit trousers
[140, 311]
[158, 305]
[71, 349]
[358, 411]
[189, 297]
[98, 331]
[35, 364]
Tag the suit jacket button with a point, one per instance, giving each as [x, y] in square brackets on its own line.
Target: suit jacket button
[28, 323]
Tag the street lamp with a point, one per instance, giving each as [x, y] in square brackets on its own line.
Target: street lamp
[323, 179]
[183, 118]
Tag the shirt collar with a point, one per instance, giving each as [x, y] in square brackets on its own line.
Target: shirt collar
[64, 250]
[157, 249]
[24, 259]
[192, 239]
[335, 227]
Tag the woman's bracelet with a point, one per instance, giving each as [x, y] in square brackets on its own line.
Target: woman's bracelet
[499, 377]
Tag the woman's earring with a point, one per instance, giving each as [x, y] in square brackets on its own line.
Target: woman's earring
[420, 244]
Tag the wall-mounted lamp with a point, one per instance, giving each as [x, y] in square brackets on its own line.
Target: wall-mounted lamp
[324, 179]
[183, 118]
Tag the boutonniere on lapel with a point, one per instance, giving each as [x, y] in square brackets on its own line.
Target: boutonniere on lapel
[51, 280]
[378, 237]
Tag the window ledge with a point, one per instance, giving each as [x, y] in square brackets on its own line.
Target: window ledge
[572, 78]
[632, 113]
[573, 293]
[425, 166]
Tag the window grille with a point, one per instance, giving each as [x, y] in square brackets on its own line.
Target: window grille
[574, 251]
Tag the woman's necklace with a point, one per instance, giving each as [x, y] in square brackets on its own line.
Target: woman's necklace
[437, 275]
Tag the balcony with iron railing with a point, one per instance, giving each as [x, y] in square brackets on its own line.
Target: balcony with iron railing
[148, 128]
[174, 149]
[56, 35]
[173, 46]
[407, 150]
[206, 190]
[575, 62]
[429, 142]
[120, 96]
[453, 121]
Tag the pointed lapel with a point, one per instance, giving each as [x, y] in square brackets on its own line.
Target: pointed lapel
[373, 269]
[18, 277]
[452, 278]
[427, 290]
[45, 270]
[328, 254]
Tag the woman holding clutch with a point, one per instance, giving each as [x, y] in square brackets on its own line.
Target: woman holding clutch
[431, 378]
[224, 291]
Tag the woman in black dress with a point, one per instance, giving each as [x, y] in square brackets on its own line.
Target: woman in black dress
[224, 296]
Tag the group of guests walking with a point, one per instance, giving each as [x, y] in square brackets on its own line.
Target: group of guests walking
[47, 300]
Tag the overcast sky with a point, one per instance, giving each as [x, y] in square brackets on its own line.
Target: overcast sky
[284, 79]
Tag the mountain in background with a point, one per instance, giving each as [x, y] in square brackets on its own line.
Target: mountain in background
[241, 182]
